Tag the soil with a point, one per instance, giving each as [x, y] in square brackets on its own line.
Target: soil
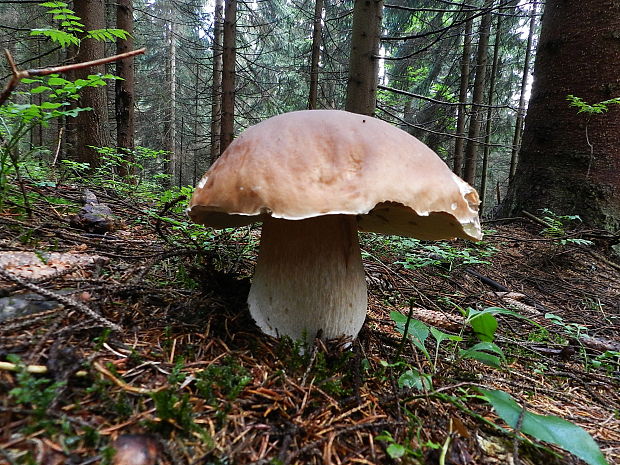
[145, 347]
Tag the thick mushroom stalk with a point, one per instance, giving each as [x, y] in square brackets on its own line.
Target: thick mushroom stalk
[309, 277]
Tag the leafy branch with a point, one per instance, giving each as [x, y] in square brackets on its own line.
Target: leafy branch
[18, 75]
[591, 110]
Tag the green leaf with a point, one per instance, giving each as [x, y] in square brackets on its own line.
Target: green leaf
[415, 379]
[484, 325]
[417, 331]
[50, 105]
[440, 336]
[480, 352]
[61, 37]
[548, 428]
[396, 451]
[57, 81]
[107, 34]
[54, 4]
[39, 89]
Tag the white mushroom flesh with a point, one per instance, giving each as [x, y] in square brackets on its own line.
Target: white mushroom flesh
[309, 277]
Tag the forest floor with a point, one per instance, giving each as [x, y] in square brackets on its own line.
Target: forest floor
[139, 340]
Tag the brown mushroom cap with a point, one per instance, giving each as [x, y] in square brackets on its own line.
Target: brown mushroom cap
[322, 162]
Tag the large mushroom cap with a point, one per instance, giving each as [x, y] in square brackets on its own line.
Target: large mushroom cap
[321, 162]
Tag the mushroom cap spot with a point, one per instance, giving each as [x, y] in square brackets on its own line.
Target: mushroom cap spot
[310, 163]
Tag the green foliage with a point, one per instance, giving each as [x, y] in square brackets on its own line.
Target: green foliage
[412, 378]
[222, 381]
[572, 329]
[591, 109]
[483, 324]
[608, 361]
[394, 449]
[58, 96]
[71, 30]
[32, 391]
[485, 352]
[546, 428]
[174, 408]
[418, 254]
[558, 227]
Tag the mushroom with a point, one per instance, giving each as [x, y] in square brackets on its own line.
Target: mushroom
[314, 178]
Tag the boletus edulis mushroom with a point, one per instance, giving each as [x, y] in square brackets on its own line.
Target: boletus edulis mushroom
[314, 178]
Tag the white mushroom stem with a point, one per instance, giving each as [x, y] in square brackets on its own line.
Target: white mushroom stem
[309, 277]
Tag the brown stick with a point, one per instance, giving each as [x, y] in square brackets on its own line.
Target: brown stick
[18, 75]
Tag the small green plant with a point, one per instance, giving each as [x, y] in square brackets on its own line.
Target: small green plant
[483, 323]
[558, 227]
[173, 408]
[395, 450]
[608, 361]
[548, 428]
[411, 377]
[574, 330]
[419, 254]
[34, 392]
[223, 381]
[591, 110]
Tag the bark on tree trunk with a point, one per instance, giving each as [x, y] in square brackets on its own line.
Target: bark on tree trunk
[487, 132]
[171, 113]
[216, 92]
[475, 120]
[459, 144]
[316, 54]
[124, 89]
[516, 141]
[578, 54]
[228, 74]
[92, 126]
[363, 61]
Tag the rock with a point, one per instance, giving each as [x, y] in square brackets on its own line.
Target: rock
[94, 217]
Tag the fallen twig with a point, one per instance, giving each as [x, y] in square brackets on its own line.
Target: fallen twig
[60, 298]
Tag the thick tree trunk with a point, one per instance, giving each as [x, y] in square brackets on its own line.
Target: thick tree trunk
[125, 88]
[92, 126]
[216, 92]
[459, 144]
[316, 54]
[363, 61]
[516, 141]
[578, 54]
[228, 74]
[475, 120]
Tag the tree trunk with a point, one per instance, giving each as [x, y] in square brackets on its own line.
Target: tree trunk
[490, 101]
[459, 144]
[363, 61]
[569, 162]
[92, 126]
[475, 120]
[316, 54]
[125, 88]
[516, 141]
[216, 92]
[228, 74]
[171, 113]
